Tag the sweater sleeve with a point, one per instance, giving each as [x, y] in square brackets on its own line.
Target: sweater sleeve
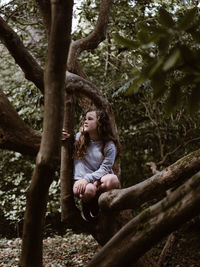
[110, 152]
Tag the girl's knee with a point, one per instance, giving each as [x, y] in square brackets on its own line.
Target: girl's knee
[114, 182]
[90, 191]
[109, 182]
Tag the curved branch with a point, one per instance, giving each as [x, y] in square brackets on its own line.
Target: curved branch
[151, 188]
[23, 58]
[151, 225]
[79, 85]
[93, 39]
[15, 135]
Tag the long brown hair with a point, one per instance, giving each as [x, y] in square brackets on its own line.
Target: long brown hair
[104, 130]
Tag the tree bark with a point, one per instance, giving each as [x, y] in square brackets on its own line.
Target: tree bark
[150, 226]
[15, 135]
[50, 145]
[66, 168]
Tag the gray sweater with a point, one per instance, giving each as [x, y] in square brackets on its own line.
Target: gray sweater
[95, 165]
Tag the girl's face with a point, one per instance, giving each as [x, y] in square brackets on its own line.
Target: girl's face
[90, 122]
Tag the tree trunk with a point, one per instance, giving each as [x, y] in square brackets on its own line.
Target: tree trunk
[34, 218]
[66, 169]
[46, 162]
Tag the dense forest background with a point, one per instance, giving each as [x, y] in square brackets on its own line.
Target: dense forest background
[147, 68]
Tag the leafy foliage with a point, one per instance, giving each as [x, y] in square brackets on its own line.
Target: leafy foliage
[169, 45]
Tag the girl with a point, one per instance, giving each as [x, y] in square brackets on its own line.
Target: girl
[94, 156]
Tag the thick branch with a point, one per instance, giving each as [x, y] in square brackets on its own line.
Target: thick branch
[15, 135]
[93, 39]
[79, 85]
[149, 189]
[149, 227]
[27, 63]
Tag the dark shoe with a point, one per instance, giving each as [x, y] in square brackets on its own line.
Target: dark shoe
[85, 212]
[90, 210]
[94, 207]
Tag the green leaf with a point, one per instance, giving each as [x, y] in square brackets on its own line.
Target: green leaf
[144, 37]
[154, 32]
[125, 42]
[187, 19]
[122, 89]
[172, 60]
[156, 66]
[165, 18]
[135, 85]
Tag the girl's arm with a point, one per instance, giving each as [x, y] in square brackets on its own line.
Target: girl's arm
[110, 152]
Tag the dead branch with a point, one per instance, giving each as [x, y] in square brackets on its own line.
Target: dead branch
[151, 188]
[168, 246]
[153, 167]
[173, 151]
[151, 225]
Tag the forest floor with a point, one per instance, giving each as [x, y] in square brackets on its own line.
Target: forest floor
[184, 250]
[77, 250]
[69, 250]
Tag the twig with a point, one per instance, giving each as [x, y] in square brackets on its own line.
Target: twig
[167, 247]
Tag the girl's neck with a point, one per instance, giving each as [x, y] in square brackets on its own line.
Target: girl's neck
[94, 136]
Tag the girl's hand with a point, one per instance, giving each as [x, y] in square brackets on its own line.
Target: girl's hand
[97, 184]
[81, 185]
[65, 135]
